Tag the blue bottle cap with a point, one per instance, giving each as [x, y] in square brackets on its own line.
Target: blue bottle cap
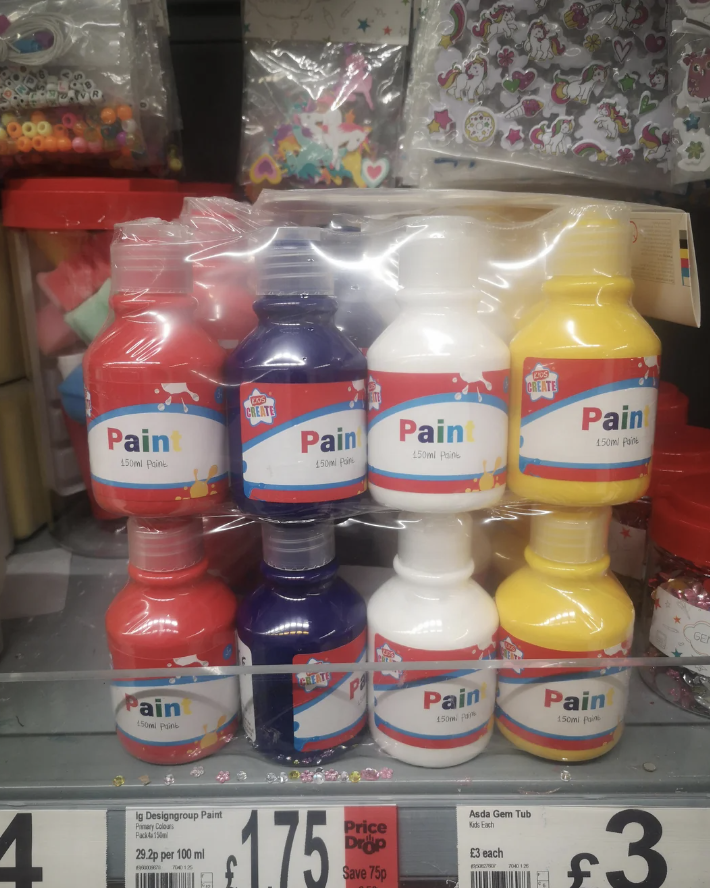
[293, 262]
[298, 547]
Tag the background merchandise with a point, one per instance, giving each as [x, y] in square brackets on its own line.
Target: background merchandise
[690, 90]
[324, 89]
[677, 452]
[77, 79]
[567, 87]
[677, 599]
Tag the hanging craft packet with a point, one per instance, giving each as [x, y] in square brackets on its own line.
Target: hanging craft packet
[690, 89]
[81, 87]
[66, 96]
[324, 92]
[577, 86]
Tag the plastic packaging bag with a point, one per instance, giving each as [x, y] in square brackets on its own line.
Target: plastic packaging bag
[555, 86]
[223, 266]
[320, 114]
[498, 301]
[321, 414]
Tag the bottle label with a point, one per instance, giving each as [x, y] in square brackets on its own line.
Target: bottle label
[179, 711]
[678, 628]
[303, 443]
[246, 692]
[433, 710]
[561, 709]
[329, 708]
[169, 438]
[437, 432]
[588, 419]
[627, 549]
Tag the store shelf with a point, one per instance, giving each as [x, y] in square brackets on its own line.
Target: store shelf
[58, 747]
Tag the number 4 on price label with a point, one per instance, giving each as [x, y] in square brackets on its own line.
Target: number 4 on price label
[574, 847]
[53, 849]
[318, 847]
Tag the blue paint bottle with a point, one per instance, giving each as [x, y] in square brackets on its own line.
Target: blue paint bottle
[302, 613]
[297, 421]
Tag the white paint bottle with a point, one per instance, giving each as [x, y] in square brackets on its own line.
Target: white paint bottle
[432, 611]
[438, 379]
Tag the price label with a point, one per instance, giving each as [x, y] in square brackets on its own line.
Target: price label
[53, 849]
[574, 847]
[318, 847]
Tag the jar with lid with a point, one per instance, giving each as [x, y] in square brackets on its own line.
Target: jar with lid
[676, 611]
[678, 451]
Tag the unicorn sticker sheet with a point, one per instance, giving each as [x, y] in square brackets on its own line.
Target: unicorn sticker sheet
[577, 86]
[690, 88]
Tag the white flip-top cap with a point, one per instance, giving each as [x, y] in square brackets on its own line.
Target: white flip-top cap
[594, 241]
[298, 547]
[442, 253]
[434, 546]
[151, 256]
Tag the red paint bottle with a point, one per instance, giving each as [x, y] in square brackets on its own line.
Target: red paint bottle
[172, 613]
[153, 381]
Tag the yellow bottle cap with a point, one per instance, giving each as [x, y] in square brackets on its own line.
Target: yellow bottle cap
[593, 242]
[571, 536]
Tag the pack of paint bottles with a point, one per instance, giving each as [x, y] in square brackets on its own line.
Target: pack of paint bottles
[515, 376]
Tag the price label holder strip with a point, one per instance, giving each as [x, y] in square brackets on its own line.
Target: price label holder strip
[562, 846]
[327, 846]
[53, 848]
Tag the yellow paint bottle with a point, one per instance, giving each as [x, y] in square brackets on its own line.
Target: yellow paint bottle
[584, 375]
[564, 604]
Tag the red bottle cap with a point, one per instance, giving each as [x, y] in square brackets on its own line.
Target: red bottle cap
[680, 521]
[151, 256]
[164, 545]
[672, 407]
[94, 203]
[678, 452]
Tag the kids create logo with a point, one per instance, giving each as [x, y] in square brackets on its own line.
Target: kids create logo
[259, 408]
[509, 650]
[374, 393]
[385, 654]
[541, 382]
[311, 681]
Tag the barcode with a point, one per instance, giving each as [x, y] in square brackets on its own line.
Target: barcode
[500, 879]
[165, 880]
